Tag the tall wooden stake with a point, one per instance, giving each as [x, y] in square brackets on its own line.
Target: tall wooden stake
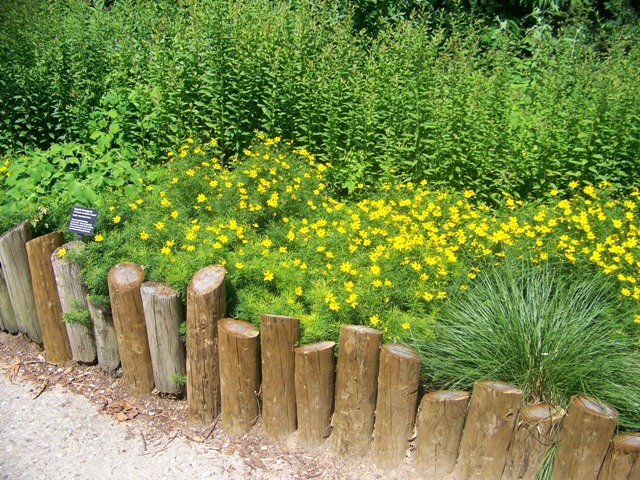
[206, 304]
[493, 411]
[583, 439]
[239, 375]
[124, 281]
[54, 334]
[73, 297]
[535, 432]
[105, 336]
[15, 266]
[279, 336]
[440, 423]
[8, 320]
[163, 315]
[356, 389]
[315, 387]
[623, 458]
[396, 404]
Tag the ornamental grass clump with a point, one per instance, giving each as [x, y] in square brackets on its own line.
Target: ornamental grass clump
[551, 331]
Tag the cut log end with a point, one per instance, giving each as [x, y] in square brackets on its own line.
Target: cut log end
[447, 395]
[207, 279]
[126, 274]
[627, 443]
[158, 289]
[315, 347]
[497, 386]
[594, 407]
[402, 352]
[238, 328]
[359, 329]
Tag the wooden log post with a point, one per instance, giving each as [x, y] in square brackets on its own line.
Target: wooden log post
[105, 337]
[583, 439]
[73, 299]
[440, 423]
[356, 389]
[15, 266]
[535, 432]
[239, 375]
[315, 377]
[8, 320]
[163, 315]
[206, 304]
[493, 411]
[54, 334]
[396, 403]
[279, 336]
[623, 458]
[124, 281]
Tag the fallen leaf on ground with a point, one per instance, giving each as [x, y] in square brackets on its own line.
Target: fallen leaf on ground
[122, 410]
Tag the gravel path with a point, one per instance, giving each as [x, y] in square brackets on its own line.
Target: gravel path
[60, 435]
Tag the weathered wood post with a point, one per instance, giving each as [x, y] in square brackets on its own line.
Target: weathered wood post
[535, 432]
[206, 304]
[396, 403]
[583, 439]
[8, 320]
[73, 299]
[440, 423]
[279, 336]
[493, 412]
[356, 389]
[124, 281]
[239, 375]
[105, 336]
[623, 458]
[15, 266]
[163, 315]
[315, 387]
[54, 334]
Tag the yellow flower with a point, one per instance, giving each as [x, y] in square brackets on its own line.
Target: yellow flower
[190, 172]
[174, 214]
[165, 250]
[201, 198]
[99, 237]
[374, 320]
[405, 326]
[298, 291]
[469, 193]
[239, 266]
[159, 225]
[144, 235]
[62, 252]
[573, 185]
[441, 295]
[165, 202]
[345, 267]
[268, 276]
[117, 219]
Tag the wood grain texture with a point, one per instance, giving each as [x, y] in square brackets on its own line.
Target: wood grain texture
[206, 305]
[17, 275]
[492, 415]
[124, 281]
[623, 458]
[54, 334]
[397, 399]
[356, 389]
[105, 337]
[279, 336]
[583, 439]
[163, 315]
[315, 387]
[73, 296]
[440, 423]
[8, 320]
[239, 343]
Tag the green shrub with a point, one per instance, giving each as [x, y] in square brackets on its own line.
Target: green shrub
[551, 331]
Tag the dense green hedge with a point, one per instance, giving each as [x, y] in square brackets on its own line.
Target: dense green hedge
[442, 97]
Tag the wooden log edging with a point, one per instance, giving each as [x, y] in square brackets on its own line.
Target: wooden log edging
[124, 281]
[105, 337]
[315, 387]
[623, 458]
[535, 432]
[73, 297]
[163, 315]
[356, 389]
[583, 439]
[17, 275]
[493, 411]
[206, 305]
[279, 336]
[8, 320]
[399, 374]
[439, 430]
[239, 348]
[57, 349]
